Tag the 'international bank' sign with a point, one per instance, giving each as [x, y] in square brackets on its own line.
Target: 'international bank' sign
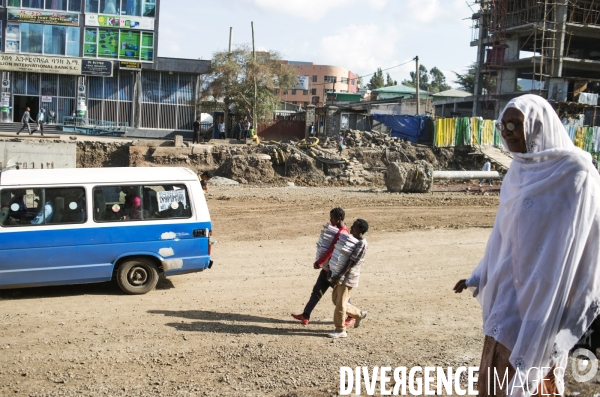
[47, 17]
[43, 64]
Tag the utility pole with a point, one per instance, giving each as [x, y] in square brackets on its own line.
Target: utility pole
[226, 120]
[417, 79]
[255, 87]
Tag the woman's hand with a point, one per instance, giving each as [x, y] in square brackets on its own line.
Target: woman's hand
[460, 286]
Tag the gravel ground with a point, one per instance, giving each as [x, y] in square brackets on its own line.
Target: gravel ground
[228, 331]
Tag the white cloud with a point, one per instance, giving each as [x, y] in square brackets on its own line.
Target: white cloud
[378, 4]
[424, 10]
[361, 48]
[312, 9]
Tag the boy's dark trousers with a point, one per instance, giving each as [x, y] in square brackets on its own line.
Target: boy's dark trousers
[318, 291]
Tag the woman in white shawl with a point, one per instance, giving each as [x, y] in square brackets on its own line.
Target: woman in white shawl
[539, 280]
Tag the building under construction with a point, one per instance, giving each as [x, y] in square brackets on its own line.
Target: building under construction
[546, 47]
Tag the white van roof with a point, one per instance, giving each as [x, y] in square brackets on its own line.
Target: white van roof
[70, 176]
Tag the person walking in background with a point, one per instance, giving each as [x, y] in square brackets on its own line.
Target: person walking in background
[311, 130]
[486, 167]
[336, 218]
[196, 126]
[221, 127]
[40, 120]
[340, 143]
[246, 129]
[538, 281]
[25, 120]
[237, 130]
[347, 279]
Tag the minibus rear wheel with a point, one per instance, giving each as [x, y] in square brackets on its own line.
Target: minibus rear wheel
[137, 276]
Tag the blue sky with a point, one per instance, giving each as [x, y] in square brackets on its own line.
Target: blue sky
[360, 35]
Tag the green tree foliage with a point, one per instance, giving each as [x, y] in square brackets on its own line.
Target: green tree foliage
[438, 81]
[377, 80]
[467, 81]
[389, 81]
[429, 80]
[232, 78]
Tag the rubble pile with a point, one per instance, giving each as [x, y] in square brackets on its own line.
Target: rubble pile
[255, 168]
[372, 139]
[409, 177]
[364, 161]
[92, 154]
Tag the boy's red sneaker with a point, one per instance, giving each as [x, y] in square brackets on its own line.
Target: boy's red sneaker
[301, 318]
[349, 321]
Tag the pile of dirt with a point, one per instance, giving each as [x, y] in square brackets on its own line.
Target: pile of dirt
[91, 154]
[303, 170]
[248, 169]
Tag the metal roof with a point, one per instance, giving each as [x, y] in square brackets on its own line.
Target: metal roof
[70, 176]
[398, 89]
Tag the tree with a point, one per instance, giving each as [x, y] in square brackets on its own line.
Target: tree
[467, 81]
[423, 79]
[377, 80]
[438, 81]
[233, 76]
[359, 82]
[389, 81]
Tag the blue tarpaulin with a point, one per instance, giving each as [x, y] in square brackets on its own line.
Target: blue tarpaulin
[406, 127]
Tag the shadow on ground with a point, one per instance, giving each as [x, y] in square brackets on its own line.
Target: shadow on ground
[234, 323]
[54, 291]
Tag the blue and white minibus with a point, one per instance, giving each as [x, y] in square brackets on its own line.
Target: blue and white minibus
[86, 225]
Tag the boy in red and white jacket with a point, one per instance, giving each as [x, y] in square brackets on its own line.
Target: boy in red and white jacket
[336, 218]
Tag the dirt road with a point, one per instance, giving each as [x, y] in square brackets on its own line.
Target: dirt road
[228, 331]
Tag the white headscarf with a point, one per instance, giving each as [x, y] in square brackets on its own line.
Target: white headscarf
[539, 280]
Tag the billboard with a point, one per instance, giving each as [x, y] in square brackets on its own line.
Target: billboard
[47, 17]
[302, 83]
[123, 22]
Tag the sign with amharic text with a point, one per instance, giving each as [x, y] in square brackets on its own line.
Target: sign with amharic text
[44, 64]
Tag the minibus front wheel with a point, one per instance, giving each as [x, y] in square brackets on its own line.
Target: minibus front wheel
[137, 276]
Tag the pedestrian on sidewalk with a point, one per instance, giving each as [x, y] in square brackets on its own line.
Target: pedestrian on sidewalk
[196, 126]
[340, 143]
[25, 120]
[41, 118]
[346, 280]
[246, 129]
[237, 130]
[221, 127]
[486, 167]
[336, 218]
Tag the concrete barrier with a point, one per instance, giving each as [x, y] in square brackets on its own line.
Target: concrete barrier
[39, 154]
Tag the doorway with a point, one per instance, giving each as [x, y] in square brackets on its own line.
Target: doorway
[21, 102]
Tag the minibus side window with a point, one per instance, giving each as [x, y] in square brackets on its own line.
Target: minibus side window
[138, 203]
[42, 206]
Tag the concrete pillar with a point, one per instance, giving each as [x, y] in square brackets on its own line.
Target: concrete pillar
[332, 122]
[559, 44]
[310, 118]
[136, 111]
[507, 77]
[478, 89]
[178, 141]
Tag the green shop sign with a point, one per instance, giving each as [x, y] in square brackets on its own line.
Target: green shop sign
[47, 17]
